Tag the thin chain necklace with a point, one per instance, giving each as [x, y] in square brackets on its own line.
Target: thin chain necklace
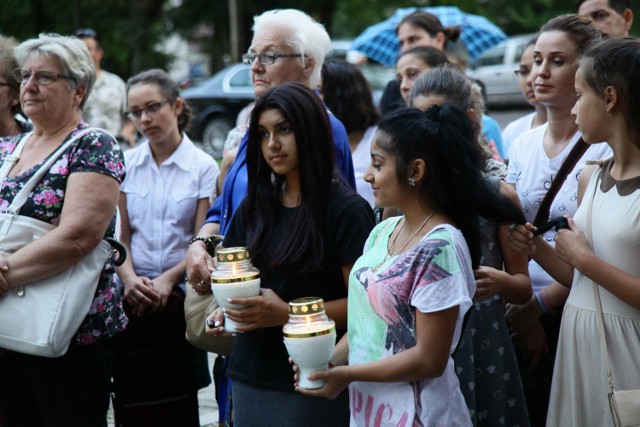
[391, 250]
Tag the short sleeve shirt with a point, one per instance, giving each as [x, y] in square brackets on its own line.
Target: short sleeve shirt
[531, 171]
[162, 203]
[384, 294]
[95, 152]
[106, 104]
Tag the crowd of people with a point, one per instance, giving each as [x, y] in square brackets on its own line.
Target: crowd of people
[428, 234]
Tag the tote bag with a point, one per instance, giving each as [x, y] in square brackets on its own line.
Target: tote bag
[196, 310]
[42, 317]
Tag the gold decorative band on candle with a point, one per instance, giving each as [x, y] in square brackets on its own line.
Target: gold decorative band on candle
[235, 279]
[232, 254]
[310, 334]
[307, 305]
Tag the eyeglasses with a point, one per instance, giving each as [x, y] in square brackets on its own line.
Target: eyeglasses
[43, 78]
[522, 72]
[149, 110]
[267, 58]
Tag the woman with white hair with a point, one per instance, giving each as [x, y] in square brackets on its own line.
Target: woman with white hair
[78, 195]
[287, 46]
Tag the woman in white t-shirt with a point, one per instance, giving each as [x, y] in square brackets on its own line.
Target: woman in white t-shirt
[535, 158]
[533, 119]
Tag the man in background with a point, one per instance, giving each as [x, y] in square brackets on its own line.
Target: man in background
[107, 102]
[613, 17]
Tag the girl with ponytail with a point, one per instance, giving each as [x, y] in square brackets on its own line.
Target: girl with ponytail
[411, 288]
[485, 355]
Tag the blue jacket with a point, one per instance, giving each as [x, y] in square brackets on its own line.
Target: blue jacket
[236, 182]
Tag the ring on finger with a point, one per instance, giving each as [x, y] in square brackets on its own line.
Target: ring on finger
[200, 284]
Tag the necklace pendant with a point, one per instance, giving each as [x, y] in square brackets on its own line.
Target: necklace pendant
[379, 265]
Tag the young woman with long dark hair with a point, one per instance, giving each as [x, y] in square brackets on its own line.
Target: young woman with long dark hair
[485, 360]
[304, 227]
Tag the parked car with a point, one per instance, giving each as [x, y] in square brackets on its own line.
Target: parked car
[216, 103]
[495, 69]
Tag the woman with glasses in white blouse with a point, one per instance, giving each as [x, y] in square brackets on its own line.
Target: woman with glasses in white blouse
[163, 201]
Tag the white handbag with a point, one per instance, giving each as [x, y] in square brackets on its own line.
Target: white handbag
[42, 317]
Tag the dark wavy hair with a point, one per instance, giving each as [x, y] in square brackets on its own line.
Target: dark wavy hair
[303, 247]
[168, 88]
[615, 62]
[347, 93]
[431, 24]
[443, 137]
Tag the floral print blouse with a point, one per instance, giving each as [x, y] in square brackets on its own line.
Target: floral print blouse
[95, 152]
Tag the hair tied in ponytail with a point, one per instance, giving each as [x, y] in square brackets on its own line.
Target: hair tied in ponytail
[433, 112]
[434, 115]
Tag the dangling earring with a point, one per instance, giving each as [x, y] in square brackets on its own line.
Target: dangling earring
[412, 182]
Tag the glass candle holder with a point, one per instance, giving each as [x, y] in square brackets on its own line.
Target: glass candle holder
[310, 338]
[235, 277]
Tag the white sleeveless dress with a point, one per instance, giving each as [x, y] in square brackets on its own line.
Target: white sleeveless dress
[580, 388]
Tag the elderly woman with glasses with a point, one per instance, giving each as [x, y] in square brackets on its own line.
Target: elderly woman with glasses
[78, 195]
[287, 46]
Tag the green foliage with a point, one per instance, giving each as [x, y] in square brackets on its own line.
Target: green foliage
[204, 23]
[129, 29]
[132, 29]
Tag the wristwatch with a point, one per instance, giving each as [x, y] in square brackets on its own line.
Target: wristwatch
[210, 242]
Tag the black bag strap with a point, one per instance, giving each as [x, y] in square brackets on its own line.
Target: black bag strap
[567, 166]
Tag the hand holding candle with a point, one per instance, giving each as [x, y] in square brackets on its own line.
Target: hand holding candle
[310, 338]
[235, 277]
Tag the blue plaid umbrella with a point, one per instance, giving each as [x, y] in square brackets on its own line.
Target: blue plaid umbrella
[379, 41]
